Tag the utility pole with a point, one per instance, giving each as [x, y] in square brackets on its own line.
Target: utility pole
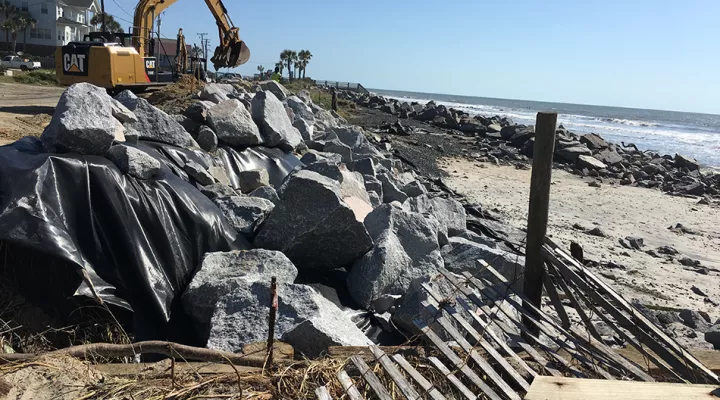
[102, 5]
[203, 45]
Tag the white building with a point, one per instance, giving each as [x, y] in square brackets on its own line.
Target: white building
[58, 23]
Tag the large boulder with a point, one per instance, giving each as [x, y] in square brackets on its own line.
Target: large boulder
[300, 109]
[390, 191]
[133, 161]
[207, 139]
[267, 193]
[594, 142]
[337, 147]
[590, 162]
[233, 124]
[682, 161]
[198, 110]
[354, 137]
[305, 319]
[198, 173]
[83, 122]
[153, 123]
[216, 190]
[306, 129]
[245, 214]
[215, 93]
[277, 130]
[406, 248]
[448, 211]
[571, 153]
[712, 336]
[253, 179]
[609, 157]
[312, 225]
[275, 88]
[324, 120]
[461, 255]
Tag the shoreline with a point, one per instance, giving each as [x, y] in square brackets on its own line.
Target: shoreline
[659, 282]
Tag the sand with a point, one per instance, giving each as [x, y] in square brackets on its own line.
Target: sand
[620, 211]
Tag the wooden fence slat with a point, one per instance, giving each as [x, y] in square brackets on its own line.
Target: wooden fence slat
[639, 317]
[484, 344]
[428, 387]
[484, 366]
[677, 366]
[348, 386]
[621, 361]
[530, 316]
[539, 359]
[456, 361]
[322, 393]
[405, 387]
[527, 332]
[485, 325]
[555, 300]
[452, 378]
[371, 378]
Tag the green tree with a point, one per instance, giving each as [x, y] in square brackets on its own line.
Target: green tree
[8, 9]
[13, 24]
[304, 57]
[260, 69]
[292, 59]
[285, 60]
[196, 51]
[110, 24]
[26, 21]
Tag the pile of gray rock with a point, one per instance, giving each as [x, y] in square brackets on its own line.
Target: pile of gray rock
[350, 207]
[501, 140]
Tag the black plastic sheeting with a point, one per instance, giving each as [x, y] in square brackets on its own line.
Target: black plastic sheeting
[140, 242]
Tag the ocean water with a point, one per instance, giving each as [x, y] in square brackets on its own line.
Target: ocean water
[667, 132]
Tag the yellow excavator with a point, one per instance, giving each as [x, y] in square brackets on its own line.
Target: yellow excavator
[118, 61]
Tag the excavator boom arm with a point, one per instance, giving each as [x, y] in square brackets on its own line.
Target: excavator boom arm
[231, 52]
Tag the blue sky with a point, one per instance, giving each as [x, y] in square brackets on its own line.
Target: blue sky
[635, 53]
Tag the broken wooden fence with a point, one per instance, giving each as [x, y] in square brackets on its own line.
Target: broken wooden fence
[467, 334]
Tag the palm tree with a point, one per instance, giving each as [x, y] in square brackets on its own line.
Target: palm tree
[13, 24]
[196, 51]
[285, 59]
[260, 69]
[26, 21]
[280, 66]
[8, 9]
[110, 24]
[304, 56]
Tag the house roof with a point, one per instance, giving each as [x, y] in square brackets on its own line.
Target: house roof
[78, 3]
[67, 21]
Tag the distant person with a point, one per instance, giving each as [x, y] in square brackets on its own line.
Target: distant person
[334, 99]
[276, 75]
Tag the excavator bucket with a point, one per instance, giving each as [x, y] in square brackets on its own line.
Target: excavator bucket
[233, 55]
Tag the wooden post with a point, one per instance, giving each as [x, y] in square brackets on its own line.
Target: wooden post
[271, 322]
[538, 212]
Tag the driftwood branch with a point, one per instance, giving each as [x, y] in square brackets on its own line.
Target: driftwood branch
[169, 349]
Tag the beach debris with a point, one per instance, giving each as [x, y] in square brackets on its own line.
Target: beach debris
[635, 242]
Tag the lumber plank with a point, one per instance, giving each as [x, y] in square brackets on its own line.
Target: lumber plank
[483, 343]
[555, 300]
[555, 388]
[456, 361]
[484, 366]
[452, 378]
[405, 387]
[371, 378]
[638, 316]
[428, 387]
[710, 358]
[348, 386]
[322, 393]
